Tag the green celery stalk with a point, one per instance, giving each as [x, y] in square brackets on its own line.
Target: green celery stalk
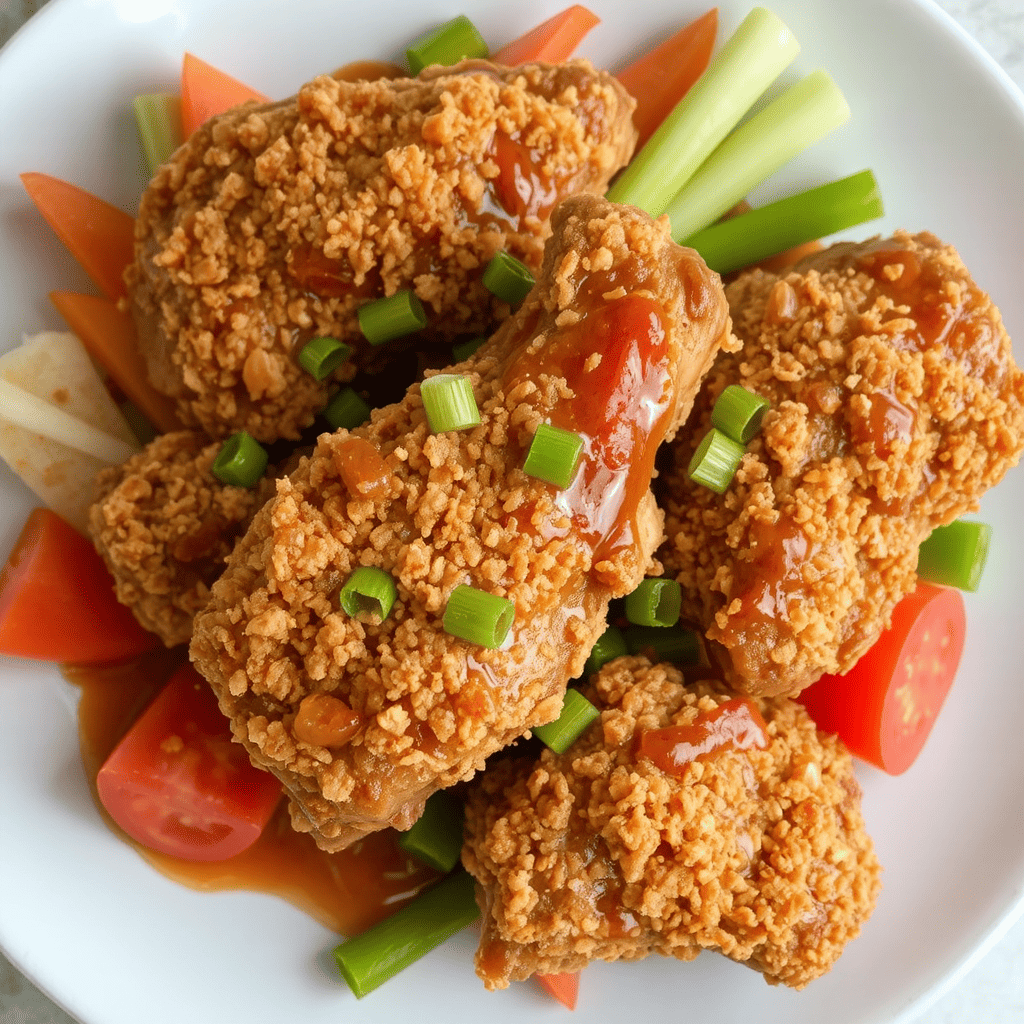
[803, 114]
[753, 57]
[158, 116]
[757, 234]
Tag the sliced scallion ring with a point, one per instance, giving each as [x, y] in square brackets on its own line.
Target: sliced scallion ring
[715, 461]
[436, 836]
[554, 455]
[321, 356]
[447, 44]
[656, 602]
[241, 461]
[738, 413]
[386, 319]
[478, 617]
[577, 714]
[954, 555]
[508, 278]
[347, 409]
[368, 589]
[611, 644]
[462, 350]
[449, 402]
[676, 644]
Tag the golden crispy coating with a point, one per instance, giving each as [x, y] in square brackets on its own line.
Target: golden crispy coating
[164, 525]
[272, 224]
[895, 403]
[619, 312]
[598, 853]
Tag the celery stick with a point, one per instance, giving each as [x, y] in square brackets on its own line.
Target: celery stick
[753, 57]
[803, 114]
[158, 116]
[804, 217]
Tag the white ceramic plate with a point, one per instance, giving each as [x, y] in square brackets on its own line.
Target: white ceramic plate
[115, 942]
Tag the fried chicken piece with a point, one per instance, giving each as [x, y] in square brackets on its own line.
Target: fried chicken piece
[612, 341]
[895, 402]
[751, 842]
[273, 224]
[164, 525]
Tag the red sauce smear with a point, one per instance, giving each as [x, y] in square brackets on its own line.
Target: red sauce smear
[347, 891]
[521, 188]
[734, 725]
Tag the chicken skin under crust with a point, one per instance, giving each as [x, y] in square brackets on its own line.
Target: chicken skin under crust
[753, 846]
[895, 403]
[274, 223]
[612, 342]
[164, 525]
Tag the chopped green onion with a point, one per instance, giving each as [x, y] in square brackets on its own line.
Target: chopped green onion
[752, 58]
[803, 114]
[321, 356]
[368, 589]
[436, 836]
[554, 455]
[462, 350]
[478, 617]
[577, 714]
[738, 413]
[715, 461]
[954, 555]
[508, 278]
[611, 644]
[346, 409]
[394, 317]
[368, 960]
[656, 602]
[449, 403]
[676, 644]
[240, 462]
[158, 116]
[757, 234]
[447, 44]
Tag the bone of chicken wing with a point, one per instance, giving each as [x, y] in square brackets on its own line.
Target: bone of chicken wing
[273, 224]
[684, 819]
[895, 402]
[612, 343]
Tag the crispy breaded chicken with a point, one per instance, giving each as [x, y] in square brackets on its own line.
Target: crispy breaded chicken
[754, 846]
[612, 342]
[895, 402]
[274, 223]
[164, 525]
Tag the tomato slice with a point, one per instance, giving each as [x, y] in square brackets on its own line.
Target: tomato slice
[564, 987]
[178, 784]
[884, 708]
[57, 600]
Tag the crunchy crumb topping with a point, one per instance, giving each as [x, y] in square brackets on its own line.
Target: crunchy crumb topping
[274, 223]
[458, 509]
[164, 525]
[895, 403]
[760, 854]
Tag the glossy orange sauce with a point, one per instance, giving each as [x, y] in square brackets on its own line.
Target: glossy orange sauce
[521, 187]
[734, 725]
[346, 891]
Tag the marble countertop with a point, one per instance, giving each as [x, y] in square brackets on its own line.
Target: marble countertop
[992, 992]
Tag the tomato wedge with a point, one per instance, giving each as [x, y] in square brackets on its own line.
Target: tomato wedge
[57, 600]
[884, 708]
[178, 784]
[564, 987]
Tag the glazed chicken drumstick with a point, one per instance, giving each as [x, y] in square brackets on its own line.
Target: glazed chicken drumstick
[363, 719]
[895, 403]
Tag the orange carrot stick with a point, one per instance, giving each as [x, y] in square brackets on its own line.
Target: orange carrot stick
[109, 337]
[552, 41]
[206, 92]
[564, 987]
[662, 76]
[100, 236]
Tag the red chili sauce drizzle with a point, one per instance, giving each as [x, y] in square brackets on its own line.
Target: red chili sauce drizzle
[521, 187]
[346, 891]
[620, 406]
[734, 725]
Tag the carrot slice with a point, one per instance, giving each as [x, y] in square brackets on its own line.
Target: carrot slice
[564, 987]
[661, 77]
[552, 41]
[109, 336]
[100, 236]
[57, 599]
[207, 92]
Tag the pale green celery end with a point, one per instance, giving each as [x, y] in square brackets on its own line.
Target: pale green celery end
[158, 116]
[760, 49]
[804, 114]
